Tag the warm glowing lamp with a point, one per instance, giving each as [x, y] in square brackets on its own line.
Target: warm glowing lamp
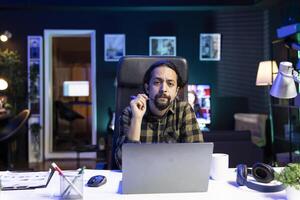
[3, 84]
[76, 89]
[267, 72]
[5, 36]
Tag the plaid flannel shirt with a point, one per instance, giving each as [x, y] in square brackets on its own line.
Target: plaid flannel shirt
[178, 125]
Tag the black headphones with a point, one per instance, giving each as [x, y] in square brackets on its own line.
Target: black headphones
[262, 173]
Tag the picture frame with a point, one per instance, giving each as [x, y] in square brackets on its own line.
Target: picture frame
[34, 47]
[114, 47]
[210, 47]
[162, 46]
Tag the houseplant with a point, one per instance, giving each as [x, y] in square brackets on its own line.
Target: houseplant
[34, 77]
[290, 177]
[12, 70]
[35, 132]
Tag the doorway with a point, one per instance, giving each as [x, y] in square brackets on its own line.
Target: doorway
[70, 92]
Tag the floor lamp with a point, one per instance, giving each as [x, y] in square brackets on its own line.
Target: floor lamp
[266, 74]
[284, 88]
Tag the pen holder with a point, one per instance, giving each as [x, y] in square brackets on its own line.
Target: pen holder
[71, 191]
[0, 186]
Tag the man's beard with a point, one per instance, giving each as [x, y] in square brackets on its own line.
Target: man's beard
[162, 105]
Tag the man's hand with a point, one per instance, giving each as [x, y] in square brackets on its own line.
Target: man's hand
[138, 105]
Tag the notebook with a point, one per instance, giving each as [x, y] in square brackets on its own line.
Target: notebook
[25, 180]
[165, 168]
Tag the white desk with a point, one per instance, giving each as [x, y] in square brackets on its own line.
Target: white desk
[218, 190]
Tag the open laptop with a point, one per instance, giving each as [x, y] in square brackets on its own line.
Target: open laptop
[25, 180]
[165, 168]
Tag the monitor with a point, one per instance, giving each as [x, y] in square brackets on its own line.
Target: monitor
[199, 98]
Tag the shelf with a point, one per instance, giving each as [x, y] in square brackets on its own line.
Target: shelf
[285, 106]
[295, 138]
[35, 81]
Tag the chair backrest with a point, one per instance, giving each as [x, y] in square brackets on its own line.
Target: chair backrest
[130, 74]
[12, 127]
[65, 112]
[9, 132]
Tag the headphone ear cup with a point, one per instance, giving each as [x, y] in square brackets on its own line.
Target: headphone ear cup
[262, 172]
[242, 173]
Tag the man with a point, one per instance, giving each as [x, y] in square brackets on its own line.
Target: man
[158, 116]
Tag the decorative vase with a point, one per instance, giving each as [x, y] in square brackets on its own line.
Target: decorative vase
[292, 193]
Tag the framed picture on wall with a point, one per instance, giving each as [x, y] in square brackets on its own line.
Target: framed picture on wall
[162, 46]
[114, 47]
[34, 45]
[210, 46]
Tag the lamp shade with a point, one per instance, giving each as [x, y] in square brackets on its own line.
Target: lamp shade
[76, 88]
[266, 70]
[284, 85]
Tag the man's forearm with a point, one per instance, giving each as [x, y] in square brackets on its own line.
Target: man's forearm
[134, 131]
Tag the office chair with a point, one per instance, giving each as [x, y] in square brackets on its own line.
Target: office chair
[8, 133]
[96, 148]
[130, 74]
[66, 113]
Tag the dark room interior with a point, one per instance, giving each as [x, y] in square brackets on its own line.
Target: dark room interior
[56, 46]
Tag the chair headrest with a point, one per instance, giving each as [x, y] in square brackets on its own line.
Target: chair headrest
[131, 69]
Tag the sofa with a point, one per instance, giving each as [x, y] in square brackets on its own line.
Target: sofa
[237, 144]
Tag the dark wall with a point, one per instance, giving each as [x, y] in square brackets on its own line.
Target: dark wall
[246, 42]
[137, 25]
[246, 36]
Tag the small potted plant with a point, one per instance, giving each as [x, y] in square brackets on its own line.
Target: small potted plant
[35, 131]
[290, 177]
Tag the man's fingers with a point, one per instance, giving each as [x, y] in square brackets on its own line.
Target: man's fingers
[140, 104]
[139, 101]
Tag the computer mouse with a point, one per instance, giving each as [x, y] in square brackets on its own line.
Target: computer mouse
[96, 181]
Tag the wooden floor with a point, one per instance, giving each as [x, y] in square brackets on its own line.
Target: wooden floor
[66, 164]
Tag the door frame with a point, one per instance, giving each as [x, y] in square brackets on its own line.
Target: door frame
[48, 89]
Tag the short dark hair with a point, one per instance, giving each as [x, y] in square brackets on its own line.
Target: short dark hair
[160, 63]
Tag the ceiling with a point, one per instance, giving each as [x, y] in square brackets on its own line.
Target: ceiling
[132, 3]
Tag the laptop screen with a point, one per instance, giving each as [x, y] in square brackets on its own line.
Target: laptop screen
[165, 168]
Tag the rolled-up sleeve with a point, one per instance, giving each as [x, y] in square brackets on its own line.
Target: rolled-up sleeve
[124, 124]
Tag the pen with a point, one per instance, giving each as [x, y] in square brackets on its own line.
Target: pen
[133, 97]
[61, 174]
[73, 181]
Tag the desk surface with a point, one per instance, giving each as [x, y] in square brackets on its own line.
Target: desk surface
[110, 191]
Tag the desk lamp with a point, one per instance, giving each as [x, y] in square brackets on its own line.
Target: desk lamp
[284, 88]
[284, 85]
[76, 89]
